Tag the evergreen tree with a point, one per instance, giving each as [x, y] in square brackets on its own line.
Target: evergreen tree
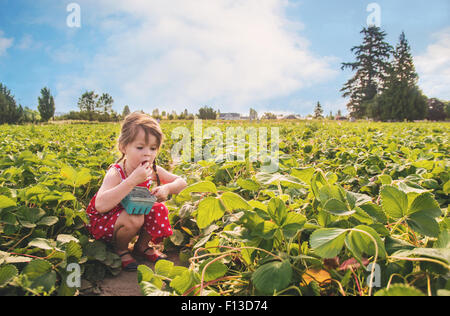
[9, 111]
[318, 111]
[436, 110]
[46, 105]
[371, 66]
[126, 111]
[207, 113]
[402, 98]
[447, 109]
[155, 113]
[253, 114]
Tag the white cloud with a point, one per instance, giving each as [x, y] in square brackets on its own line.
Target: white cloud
[433, 66]
[5, 43]
[228, 53]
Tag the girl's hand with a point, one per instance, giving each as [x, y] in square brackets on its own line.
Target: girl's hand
[161, 193]
[141, 174]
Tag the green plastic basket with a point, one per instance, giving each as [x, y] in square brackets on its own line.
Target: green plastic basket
[139, 201]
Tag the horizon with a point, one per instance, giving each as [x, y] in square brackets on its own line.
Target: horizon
[278, 56]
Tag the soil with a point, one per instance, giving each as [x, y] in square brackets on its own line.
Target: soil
[124, 284]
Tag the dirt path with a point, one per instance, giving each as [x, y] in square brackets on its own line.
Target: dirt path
[126, 284]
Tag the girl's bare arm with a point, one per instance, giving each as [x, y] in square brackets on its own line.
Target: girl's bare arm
[174, 183]
[112, 191]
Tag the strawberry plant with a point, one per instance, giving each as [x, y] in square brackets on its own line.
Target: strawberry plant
[352, 209]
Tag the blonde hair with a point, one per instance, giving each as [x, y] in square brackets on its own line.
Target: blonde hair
[130, 129]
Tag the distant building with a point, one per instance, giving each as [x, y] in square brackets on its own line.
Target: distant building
[340, 118]
[229, 116]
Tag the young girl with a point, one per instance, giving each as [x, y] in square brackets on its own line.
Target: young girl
[139, 142]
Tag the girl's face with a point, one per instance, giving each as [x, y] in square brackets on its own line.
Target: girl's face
[138, 151]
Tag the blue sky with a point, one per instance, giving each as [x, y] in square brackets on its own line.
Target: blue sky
[271, 55]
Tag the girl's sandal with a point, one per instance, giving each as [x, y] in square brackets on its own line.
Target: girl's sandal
[128, 265]
[153, 257]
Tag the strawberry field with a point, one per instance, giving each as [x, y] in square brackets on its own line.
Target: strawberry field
[353, 209]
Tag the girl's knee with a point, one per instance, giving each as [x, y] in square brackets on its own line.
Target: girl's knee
[134, 222]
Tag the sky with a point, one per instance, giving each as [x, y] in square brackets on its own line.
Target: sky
[281, 56]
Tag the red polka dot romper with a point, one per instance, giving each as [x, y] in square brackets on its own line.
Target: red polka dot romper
[156, 223]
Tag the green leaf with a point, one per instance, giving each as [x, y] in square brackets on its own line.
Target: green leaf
[425, 203]
[374, 211]
[48, 221]
[184, 282]
[337, 207]
[144, 273]
[95, 250]
[394, 201]
[63, 238]
[36, 190]
[247, 184]
[328, 242]
[358, 242]
[177, 238]
[273, 276]
[317, 182]
[214, 271]
[304, 174]
[69, 173]
[7, 273]
[258, 205]
[422, 212]
[443, 240]
[82, 177]
[277, 211]
[442, 254]
[385, 179]
[209, 210]
[422, 223]
[73, 249]
[203, 187]
[29, 215]
[276, 178]
[328, 192]
[350, 170]
[6, 202]
[164, 268]
[399, 290]
[293, 223]
[37, 268]
[233, 201]
[67, 196]
[445, 188]
[41, 243]
[357, 199]
[265, 229]
[149, 289]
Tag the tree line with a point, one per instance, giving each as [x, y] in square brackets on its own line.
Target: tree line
[384, 86]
